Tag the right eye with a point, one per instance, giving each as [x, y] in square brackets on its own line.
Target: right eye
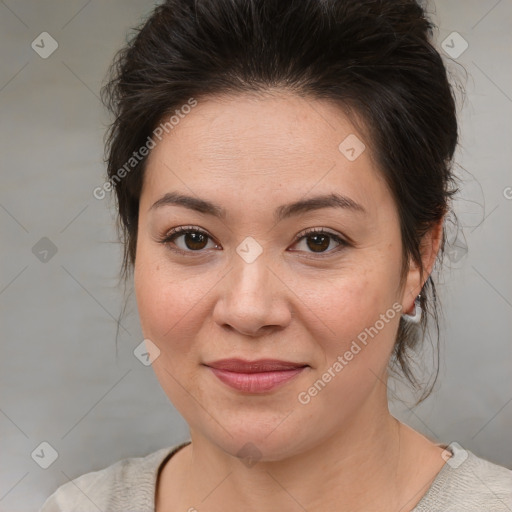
[193, 239]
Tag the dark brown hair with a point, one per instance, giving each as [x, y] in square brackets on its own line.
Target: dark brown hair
[375, 58]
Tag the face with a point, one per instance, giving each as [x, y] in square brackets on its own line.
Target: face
[253, 278]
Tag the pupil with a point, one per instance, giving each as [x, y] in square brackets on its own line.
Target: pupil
[196, 239]
[323, 246]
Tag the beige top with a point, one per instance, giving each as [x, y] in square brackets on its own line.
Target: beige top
[465, 483]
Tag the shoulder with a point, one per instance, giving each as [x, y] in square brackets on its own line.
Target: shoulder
[128, 484]
[470, 483]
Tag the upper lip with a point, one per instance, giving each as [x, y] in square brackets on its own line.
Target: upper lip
[261, 365]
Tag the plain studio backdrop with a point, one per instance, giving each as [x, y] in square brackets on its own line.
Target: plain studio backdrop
[62, 382]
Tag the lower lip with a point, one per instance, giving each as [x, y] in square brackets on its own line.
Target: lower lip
[256, 382]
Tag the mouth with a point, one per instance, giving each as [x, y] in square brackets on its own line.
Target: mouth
[255, 376]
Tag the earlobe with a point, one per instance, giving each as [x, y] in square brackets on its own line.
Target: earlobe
[412, 289]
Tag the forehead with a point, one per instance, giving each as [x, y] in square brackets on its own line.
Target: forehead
[276, 143]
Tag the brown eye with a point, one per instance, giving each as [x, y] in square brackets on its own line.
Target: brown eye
[194, 241]
[318, 241]
[186, 240]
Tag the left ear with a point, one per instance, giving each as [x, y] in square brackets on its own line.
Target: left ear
[429, 248]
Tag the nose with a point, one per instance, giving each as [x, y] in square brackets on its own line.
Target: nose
[253, 299]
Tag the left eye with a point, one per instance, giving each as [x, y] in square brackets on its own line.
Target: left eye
[319, 240]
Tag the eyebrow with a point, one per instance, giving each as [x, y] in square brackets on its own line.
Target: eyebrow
[302, 206]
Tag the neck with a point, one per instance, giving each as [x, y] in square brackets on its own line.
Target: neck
[363, 466]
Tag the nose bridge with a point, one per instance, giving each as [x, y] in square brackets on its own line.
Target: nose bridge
[251, 296]
[250, 277]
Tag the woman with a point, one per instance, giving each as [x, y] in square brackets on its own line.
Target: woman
[282, 172]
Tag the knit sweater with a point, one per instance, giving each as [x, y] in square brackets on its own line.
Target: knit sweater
[465, 483]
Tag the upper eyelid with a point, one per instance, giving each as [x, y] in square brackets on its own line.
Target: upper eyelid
[318, 230]
[186, 229]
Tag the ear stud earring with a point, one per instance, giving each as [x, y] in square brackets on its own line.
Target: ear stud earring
[416, 316]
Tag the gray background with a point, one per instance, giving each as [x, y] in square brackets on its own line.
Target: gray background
[61, 379]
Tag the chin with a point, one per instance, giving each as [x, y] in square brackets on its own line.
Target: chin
[253, 445]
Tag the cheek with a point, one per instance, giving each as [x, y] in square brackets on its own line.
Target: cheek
[170, 315]
[172, 304]
[358, 311]
[362, 326]
[167, 305]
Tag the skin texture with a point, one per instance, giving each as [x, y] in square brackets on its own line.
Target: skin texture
[343, 450]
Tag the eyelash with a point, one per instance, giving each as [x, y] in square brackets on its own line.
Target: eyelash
[175, 233]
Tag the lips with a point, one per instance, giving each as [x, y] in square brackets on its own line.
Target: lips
[255, 376]
[261, 365]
